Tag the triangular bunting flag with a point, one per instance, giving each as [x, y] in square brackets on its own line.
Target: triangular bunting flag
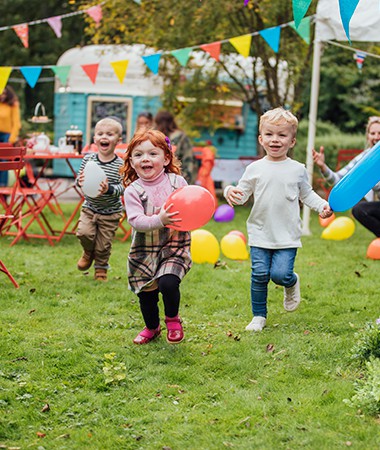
[300, 8]
[272, 37]
[137, 1]
[242, 44]
[91, 70]
[120, 69]
[347, 9]
[182, 55]
[31, 74]
[96, 13]
[4, 75]
[22, 32]
[152, 61]
[56, 24]
[359, 57]
[62, 73]
[303, 30]
[213, 49]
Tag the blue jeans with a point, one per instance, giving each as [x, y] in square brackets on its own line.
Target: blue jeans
[267, 264]
[4, 174]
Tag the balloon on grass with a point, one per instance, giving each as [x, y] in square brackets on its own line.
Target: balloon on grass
[340, 229]
[357, 182]
[325, 222]
[373, 250]
[93, 176]
[195, 206]
[240, 234]
[233, 247]
[204, 247]
[224, 213]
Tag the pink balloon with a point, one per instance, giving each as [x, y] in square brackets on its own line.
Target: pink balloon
[240, 234]
[195, 206]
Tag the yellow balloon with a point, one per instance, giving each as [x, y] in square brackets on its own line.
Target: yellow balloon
[233, 247]
[339, 229]
[204, 247]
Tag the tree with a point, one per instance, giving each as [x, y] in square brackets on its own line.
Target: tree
[271, 80]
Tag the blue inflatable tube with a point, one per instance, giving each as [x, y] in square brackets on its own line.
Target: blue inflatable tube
[357, 182]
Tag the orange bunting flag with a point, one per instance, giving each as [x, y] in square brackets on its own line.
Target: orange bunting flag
[242, 44]
[120, 69]
[91, 70]
[22, 32]
[4, 75]
[213, 49]
[96, 13]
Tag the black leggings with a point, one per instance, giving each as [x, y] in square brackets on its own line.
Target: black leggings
[168, 285]
[368, 214]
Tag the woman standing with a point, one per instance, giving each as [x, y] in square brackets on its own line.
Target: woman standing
[10, 122]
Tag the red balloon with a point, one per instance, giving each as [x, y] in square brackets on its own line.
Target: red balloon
[195, 206]
[240, 234]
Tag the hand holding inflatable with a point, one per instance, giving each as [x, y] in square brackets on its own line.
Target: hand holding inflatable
[357, 182]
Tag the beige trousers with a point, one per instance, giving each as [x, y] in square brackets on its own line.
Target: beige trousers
[96, 232]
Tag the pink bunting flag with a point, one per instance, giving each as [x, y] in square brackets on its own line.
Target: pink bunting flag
[96, 13]
[56, 24]
[213, 49]
[91, 70]
[22, 32]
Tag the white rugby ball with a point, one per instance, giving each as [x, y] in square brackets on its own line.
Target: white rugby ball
[93, 176]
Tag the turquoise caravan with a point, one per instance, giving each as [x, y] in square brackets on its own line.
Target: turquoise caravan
[93, 91]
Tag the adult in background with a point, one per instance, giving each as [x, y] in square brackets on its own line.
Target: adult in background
[10, 122]
[367, 213]
[165, 123]
[144, 120]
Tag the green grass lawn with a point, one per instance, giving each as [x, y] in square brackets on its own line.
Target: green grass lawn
[66, 342]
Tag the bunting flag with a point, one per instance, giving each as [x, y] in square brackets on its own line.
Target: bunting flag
[182, 55]
[303, 29]
[62, 73]
[31, 74]
[56, 24]
[347, 9]
[22, 32]
[272, 37]
[246, 2]
[242, 44]
[359, 57]
[153, 61]
[4, 75]
[96, 13]
[137, 1]
[300, 8]
[212, 49]
[120, 69]
[91, 70]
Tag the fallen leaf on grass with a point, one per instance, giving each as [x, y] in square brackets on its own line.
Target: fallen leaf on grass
[32, 311]
[32, 290]
[306, 332]
[357, 273]
[270, 348]
[40, 435]
[348, 443]
[63, 436]
[45, 408]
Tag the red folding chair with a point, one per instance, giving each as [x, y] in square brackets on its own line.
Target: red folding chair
[26, 204]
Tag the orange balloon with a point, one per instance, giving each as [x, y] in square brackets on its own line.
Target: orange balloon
[195, 206]
[326, 222]
[373, 250]
[240, 234]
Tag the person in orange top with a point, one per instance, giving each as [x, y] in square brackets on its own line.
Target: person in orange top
[204, 173]
[10, 122]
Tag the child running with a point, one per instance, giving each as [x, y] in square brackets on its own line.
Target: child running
[274, 226]
[100, 215]
[159, 256]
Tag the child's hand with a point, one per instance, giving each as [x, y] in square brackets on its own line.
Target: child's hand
[327, 212]
[166, 217]
[80, 178]
[234, 194]
[103, 187]
[319, 158]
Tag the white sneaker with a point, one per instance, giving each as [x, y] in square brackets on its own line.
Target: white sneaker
[257, 324]
[292, 296]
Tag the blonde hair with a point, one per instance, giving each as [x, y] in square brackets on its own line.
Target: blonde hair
[277, 116]
[111, 122]
[371, 121]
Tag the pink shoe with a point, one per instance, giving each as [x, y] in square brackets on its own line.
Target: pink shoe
[146, 335]
[175, 331]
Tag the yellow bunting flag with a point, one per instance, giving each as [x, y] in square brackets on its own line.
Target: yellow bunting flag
[242, 44]
[120, 69]
[4, 75]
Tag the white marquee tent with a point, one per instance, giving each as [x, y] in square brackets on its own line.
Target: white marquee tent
[365, 27]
